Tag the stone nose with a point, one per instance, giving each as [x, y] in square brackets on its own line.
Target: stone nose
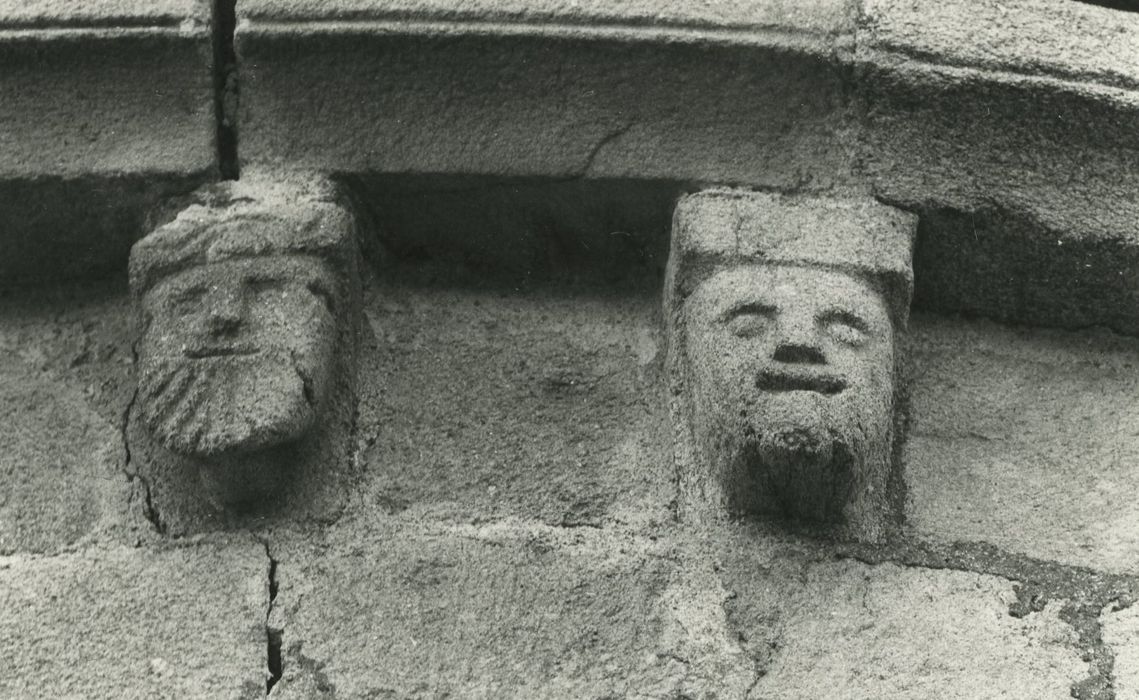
[798, 343]
[225, 314]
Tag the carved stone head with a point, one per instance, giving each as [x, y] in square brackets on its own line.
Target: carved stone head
[240, 300]
[783, 315]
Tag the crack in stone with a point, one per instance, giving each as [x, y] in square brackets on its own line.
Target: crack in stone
[1086, 591]
[601, 144]
[1029, 599]
[149, 510]
[226, 87]
[1084, 618]
[274, 636]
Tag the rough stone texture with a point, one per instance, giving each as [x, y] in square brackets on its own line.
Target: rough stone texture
[512, 609]
[1025, 439]
[497, 611]
[782, 315]
[60, 462]
[1121, 634]
[129, 623]
[65, 360]
[481, 403]
[1014, 129]
[106, 88]
[725, 92]
[76, 336]
[247, 305]
[841, 629]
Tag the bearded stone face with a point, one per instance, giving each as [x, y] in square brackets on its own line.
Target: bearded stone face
[792, 386]
[237, 355]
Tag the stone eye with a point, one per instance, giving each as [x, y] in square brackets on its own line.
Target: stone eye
[321, 291]
[262, 283]
[846, 328]
[750, 320]
[188, 300]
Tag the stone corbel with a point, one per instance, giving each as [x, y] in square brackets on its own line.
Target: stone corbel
[247, 311]
[784, 314]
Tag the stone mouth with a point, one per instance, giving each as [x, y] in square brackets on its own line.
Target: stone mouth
[204, 351]
[785, 380]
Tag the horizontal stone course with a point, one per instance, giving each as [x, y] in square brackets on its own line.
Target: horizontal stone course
[1073, 40]
[724, 92]
[824, 16]
[514, 609]
[499, 611]
[106, 88]
[571, 104]
[55, 14]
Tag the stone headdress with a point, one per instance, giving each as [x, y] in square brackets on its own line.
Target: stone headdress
[720, 228]
[248, 218]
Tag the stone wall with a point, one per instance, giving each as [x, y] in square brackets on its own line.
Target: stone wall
[504, 515]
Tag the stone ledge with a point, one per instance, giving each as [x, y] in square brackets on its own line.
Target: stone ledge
[456, 89]
[108, 88]
[1066, 40]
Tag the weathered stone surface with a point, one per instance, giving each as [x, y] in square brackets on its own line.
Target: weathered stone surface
[1025, 439]
[720, 92]
[109, 87]
[247, 307]
[820, 628]
[60, 462]
[478, 404]
[1121, 634]
[76, 337]
[1014, 128]
[498, 611]
[65, 360]
[131, 623]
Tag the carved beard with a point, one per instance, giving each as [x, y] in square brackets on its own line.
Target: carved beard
[226, 405]
[804, 457]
